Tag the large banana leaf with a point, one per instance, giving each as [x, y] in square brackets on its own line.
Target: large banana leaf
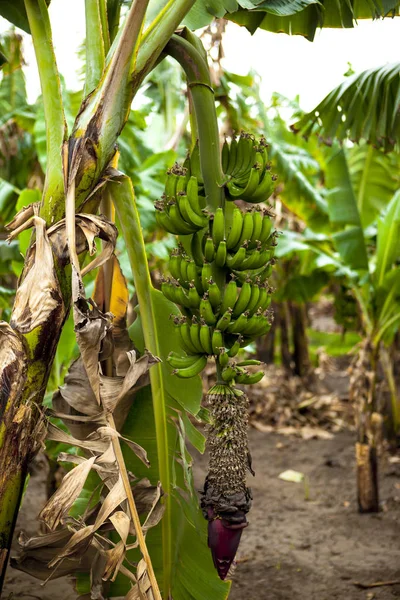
[365, 106]
[304, 17]
[343, 213]
[375, 177]
[14, 11]
[299, 193]
[295, 17]
[388, 239]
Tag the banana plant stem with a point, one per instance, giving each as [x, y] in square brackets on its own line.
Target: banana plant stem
[95, 46]
[128, 215]
[53, 194]
[202, 94]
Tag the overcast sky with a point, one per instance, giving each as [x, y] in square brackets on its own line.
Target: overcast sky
[289, 65]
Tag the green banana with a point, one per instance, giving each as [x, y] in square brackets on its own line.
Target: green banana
[252, 324]
[265, 188]
[250, 378]
[164, 221]
[209, 250]
[266, 229]
[236, 229]
[217, 341]
[184, 330]
[238, 325]
[181, 183]
[192, 191]
[193, 296]
[183, 276]
[218, 227]
[180, 296]
[170, 185]
[232, 155]
[194, 333]
[247, 229]
[188, 213]
[221, 254]
[225, 156]
[255, 295]
[214, 294]
[193, 370]
[205, 337]
[181, 362]
[206, 311]
[167, 289]
[196, 247]
[194, 277]
[257, 227]
[228, 373]
[237, 259]
[223, 358]
[234, 349]
[247, 192]
[243, 300]
[251, 262]
[249, 362]
[178, 222]
[174, 264]
[240, 154]
[206, 274]
[224, 321]
[230, 295]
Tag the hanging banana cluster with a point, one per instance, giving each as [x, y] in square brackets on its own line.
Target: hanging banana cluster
[246, 164]
[219, 278]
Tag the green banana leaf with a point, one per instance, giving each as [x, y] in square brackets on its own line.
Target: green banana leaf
[14, 11]
[299, 193]
[375, 177]
[295, 17]
[347, 231]
[304, 18]
[365, 106]
[388, 239]
[387, 306]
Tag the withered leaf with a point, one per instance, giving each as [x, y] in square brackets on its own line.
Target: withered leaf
[71, 486]
[39, 294]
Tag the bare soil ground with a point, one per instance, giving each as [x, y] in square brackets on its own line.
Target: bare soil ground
[295, 548]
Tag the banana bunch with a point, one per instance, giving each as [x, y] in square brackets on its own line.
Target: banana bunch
[181, 209]
[245, 162]
[247, 245]
[219, 319]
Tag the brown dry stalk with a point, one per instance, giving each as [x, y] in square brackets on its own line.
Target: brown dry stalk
[70, 231]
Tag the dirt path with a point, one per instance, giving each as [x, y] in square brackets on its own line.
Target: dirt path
[294, 549]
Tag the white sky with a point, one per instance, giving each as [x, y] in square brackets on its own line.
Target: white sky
[289, 65]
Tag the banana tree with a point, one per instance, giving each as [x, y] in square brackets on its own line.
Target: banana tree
[81, 177]
[367, 260]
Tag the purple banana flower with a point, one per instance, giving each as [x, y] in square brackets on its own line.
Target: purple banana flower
[223, 541]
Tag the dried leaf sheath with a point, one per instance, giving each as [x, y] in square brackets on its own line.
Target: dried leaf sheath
[87, 417]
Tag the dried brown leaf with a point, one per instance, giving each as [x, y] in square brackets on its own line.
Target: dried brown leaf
[71, 486]
[116, 555]
[38, 297]
[23, 217]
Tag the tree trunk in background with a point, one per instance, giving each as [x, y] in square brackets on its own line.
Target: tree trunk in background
[284, 318]
[301, 358]
[266, 344]
[367, 478]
